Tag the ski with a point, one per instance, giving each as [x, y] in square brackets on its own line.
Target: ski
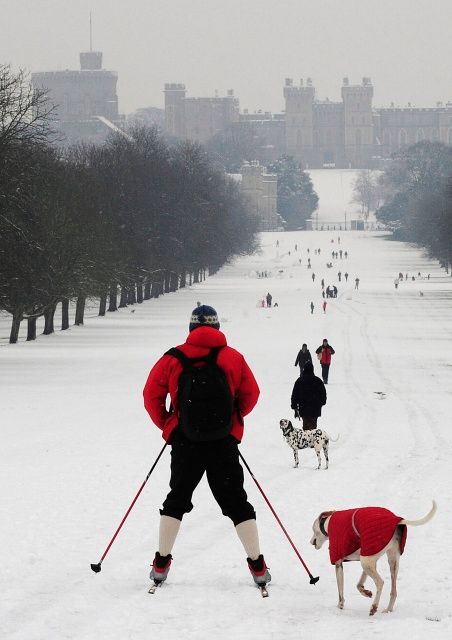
[263, 590]
[154, 587]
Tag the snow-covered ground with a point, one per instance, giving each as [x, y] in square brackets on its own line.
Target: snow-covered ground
[76, 445]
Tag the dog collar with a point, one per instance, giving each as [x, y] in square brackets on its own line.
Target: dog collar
[322, 527]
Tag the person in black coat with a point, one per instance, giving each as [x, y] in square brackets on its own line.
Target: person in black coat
[303, 357]
[308, 397]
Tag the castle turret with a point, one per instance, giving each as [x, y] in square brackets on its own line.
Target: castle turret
[175, 109]
[299, 118]
[358, 122]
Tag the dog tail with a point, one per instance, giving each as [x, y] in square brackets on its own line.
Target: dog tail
[429, 516]
[329, 437]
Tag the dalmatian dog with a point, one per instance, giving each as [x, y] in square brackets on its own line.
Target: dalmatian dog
[299, 439]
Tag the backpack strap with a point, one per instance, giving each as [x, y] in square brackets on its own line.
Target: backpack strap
[188, 362]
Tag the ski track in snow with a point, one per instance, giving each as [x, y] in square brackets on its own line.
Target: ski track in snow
[76, 445]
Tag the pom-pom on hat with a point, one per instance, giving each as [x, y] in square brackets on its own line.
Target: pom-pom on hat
[204, 316]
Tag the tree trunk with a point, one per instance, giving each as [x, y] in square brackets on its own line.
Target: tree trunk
[48, 320]
[147, 291]
[139, 292]
[113, 298]
[80, 310]
[196, 276]
[155, 289]
[123, 298]
[64, 314]
[131, 295]
[103, 304]
[174, 281]
[31, 329]
[15, 326]
[183, 279]
[190, 281]
[167, 287]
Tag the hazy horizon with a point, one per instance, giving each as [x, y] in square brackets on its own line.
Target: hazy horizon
[251, 46]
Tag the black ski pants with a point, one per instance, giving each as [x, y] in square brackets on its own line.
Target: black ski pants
[219, 460]
[325, 372]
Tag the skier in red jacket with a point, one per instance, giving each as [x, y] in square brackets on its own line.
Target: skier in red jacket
[219, 459]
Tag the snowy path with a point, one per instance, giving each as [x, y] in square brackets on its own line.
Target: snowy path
[76, 445]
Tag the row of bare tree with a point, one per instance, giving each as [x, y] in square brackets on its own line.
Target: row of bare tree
[122, 222]
[417, 193]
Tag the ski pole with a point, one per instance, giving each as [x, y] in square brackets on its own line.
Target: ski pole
[97, 567]
[312, 580]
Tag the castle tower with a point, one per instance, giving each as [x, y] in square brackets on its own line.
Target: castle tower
[358, 122]
[299, 119]
[175, 109]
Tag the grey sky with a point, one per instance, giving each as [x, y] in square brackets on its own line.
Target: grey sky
[405, 46]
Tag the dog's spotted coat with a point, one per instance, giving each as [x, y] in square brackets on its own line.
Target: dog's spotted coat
[299, 439]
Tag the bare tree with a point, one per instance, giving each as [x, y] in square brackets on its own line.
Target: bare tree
[366, 192]
[25, 112]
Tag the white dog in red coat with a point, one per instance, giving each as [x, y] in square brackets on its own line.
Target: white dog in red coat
[365, 534]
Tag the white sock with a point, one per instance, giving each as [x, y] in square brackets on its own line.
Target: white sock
[247, 532]
[169, 528]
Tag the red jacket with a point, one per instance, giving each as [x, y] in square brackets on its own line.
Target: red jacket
[326, 353]
[164, 376]
[368, 529]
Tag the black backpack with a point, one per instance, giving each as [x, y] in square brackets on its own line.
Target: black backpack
[206, 404]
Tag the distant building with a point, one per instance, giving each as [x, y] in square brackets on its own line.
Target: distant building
[86, 102]
[198, 118]
[260, 188]
[350, 133]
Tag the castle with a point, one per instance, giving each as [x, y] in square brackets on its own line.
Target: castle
[351, 133]
[85, 100]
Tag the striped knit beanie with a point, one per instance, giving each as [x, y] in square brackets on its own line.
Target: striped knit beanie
[204, 316]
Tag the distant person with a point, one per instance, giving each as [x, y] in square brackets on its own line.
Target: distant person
[346, 276]
[324, 353]
[308, 397]
[313, 277]
[312, 307]
[339, 275]
[322, 283]
[340, 254]
[396, 283]
[269, 300]
[346, 255]
[357, 283]
[303, 357]
[309, 263]
[324, 306]
[334, 291]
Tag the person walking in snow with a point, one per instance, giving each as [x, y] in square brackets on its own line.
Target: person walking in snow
[346, 276]
[312, 307]
[303, 357]
[313, 277]
[324, 353]
[324, 306]
[308, 397]
[269, 300]
[356, 283]
[210, 445]
[339, 275]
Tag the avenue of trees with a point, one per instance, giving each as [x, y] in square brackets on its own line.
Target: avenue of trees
[417, 193]
[121, 223]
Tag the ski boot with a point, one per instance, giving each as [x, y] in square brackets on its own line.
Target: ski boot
[259, 571]
[160, 568]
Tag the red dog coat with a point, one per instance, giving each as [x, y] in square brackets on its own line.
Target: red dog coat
[368, 529]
